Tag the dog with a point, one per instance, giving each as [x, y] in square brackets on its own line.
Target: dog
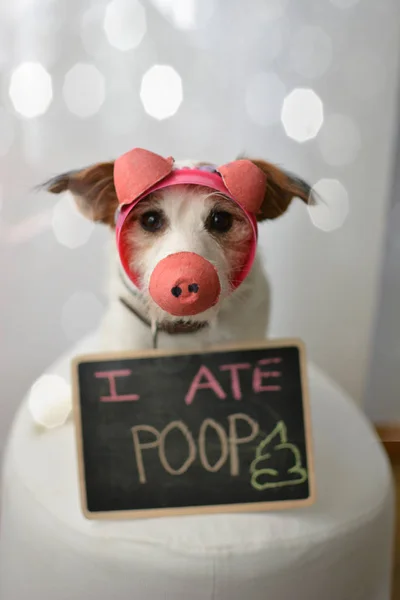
[184, 273]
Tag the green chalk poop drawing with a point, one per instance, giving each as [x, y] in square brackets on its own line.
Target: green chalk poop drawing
[264, 477]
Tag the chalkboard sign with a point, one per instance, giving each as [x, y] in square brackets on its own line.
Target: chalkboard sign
[227, 430]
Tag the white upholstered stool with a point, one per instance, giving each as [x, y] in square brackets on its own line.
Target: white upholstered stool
[338, 549]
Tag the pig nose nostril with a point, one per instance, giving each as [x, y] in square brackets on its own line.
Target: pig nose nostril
[184, 284]
[176, 291]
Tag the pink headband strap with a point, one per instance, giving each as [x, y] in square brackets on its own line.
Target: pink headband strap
[140, 172]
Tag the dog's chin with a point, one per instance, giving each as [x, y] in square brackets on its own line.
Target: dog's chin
[156, 313]
[161, 316]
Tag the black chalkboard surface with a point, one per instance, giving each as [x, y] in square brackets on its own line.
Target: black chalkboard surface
[226, 430]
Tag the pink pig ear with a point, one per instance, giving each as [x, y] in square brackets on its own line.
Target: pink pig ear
[246, 182]
[137, 171]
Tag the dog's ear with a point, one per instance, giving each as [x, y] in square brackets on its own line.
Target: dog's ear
[280, 190]
[136, 171]
[93, 189]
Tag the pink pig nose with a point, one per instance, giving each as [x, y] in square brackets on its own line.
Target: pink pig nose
[184, 284]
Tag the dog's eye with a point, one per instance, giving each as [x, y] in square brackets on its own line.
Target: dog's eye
[152, 220]
[219, 221]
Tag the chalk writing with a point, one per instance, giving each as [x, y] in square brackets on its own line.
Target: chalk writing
[223, 438]
[267, 477]
[191, 445]
[211, 383]
[111, 376]
[235, 441]
[205, 431]
[229, 444]
[259, 375]
[138, 445]
[269, 361]
[235, 380]
[206, 380]
[159, 444]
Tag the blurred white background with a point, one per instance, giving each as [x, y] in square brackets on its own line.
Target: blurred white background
[309, 84]
[382, 393]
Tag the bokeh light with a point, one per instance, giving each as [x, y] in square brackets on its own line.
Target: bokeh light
[70, 228]
[50, 401]
[80, 314]
[84, 90]
[41, 16]
[186, 14]
[161, 91]
[31, 90]
[310, 51]
[6, 132]
[330, 205]
[302, 114]
[124, 24]
[183, 13]
[92, 34]
[265, 93]
[339, 140]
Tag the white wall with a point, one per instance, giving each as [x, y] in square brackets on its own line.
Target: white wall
[324, 285]
[382, 397]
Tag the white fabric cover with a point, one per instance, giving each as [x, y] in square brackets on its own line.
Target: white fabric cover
[338, 549]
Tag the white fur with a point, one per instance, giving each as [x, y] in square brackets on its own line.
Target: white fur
[186, 211]
[239, 315]
[242, 316]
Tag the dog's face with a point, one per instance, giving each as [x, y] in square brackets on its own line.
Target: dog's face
[181, 221]
[190, 219]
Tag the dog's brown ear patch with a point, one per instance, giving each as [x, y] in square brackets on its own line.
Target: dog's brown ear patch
[281, 188]
[93, 190]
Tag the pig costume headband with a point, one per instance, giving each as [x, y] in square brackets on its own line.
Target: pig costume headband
[137, 174]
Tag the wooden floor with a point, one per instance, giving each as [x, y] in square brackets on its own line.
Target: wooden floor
[396, 588]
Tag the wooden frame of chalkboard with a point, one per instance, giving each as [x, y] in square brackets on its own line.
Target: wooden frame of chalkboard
[308, 497]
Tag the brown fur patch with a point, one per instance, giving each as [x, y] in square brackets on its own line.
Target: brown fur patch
[137, 239]
[93, 189]
[235, 242]
[281, 188]
[96, 198]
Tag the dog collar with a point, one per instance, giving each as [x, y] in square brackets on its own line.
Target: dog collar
[168, 327]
